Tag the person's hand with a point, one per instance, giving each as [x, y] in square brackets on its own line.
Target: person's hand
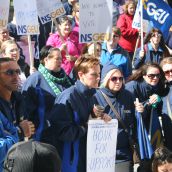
[139, 106]
[106, 117]
[63, 47]
[141, 54]
[98, 110]
[27, 127]
[153, 99]
[70, 58]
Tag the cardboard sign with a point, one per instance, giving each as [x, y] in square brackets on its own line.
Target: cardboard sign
[49, 9]
[101, 145]
[26, 17]
[95, 21]
[4, 12]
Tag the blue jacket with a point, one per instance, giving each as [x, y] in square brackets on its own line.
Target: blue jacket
[124, 104]
[119, 57]
[8, 136]
[150, 56]
[39, 99]
[69, 124]
[166, 120]
[13, 110]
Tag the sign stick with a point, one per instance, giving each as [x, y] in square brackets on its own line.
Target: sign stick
[30, 52]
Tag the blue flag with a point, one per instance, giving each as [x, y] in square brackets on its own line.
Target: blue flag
[159, 14]
[143, 139]
[155, 130]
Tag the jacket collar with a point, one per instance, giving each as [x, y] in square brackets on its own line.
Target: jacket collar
[84, 90]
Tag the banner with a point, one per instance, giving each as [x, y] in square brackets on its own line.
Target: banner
[26, 17]
[101, 145]
[4, 12]
[159, 14]
[95, 21]
[49, 9]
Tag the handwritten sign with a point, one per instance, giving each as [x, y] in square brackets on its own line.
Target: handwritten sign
[26, 17]
[4, 12]
[49, 9]
[95, 21]
[101, 145]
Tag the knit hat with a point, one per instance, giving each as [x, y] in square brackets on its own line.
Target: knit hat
[32, 156]
[106, 68]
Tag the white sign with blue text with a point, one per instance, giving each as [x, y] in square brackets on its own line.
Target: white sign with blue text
[101, 145]
[26, 17]
[4, 12]
[95, 20]
[49, 9]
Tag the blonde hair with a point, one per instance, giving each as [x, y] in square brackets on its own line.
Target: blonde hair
[166, 60]
[129, 2]
[108, 76]
[7, 43]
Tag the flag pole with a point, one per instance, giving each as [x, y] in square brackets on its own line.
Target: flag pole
[141, 24]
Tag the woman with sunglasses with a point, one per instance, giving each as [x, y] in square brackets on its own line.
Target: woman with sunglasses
[68, 42]
[147, 84]
[154, 49]
[42, 87]
[112, 86]
[166, 65]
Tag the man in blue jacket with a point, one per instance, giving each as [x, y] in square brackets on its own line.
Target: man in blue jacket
[11, 104]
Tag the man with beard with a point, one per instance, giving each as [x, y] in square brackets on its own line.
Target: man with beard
[11, 104]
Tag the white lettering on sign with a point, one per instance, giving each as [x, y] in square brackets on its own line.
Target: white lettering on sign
[159, 14]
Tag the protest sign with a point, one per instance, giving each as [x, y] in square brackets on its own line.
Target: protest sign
[26, 17]
[101, 145]
[95, 21]
[4, 12]
[49, 9]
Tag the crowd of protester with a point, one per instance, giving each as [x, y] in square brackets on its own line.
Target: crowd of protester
[51, 103]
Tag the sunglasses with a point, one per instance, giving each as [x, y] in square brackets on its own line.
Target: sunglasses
[156, 35]
[11, 72]
[14, 50]
[115, 36]
[167, 72]
[152, 76]
[114, 79]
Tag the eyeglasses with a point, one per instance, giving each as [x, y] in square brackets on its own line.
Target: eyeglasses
[14, 50]
[115, 36]
[11, 72]
[156, 35]
[114, 79]
[152, 76]
[4, 32]
[167, 72]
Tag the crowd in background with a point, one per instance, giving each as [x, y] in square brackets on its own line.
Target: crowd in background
[52, 102]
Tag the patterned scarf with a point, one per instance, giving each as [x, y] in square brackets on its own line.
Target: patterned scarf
[52, 80]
